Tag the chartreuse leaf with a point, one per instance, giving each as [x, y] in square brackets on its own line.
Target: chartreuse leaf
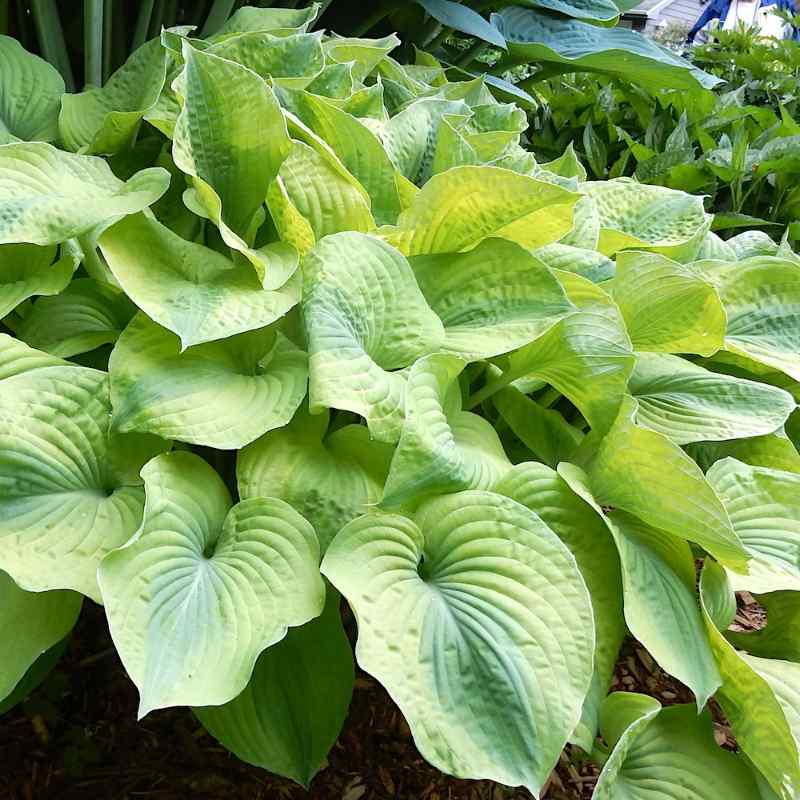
[762, 300]
[31, 622]
[292, 710]
[775, 451]
[48, 196]
[781, 636]
[232, 157]
[187, 288]
[668, 753]
[586, 356]
[365, 54]
[653, 218]
[441, 448]
[86, 315]
[358, 148]
[30, 94]
[642, 472]
[764, 507]
[457, 209]
[544, 431]
[70, 487]
[546, 493]
[222, 394]
[203, 586]
[752, 244]
[688, 403]
[658, 580]
[17, 357]
[567, 165]
[588, 264]
[569, 45]
[759, 698]
[364, 316]
[491, 299]
[476, 619]
[280, 20]
[330, 478]
[105, 119]
[28, 269]
[667, 307]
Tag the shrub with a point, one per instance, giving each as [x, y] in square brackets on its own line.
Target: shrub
[275, 298]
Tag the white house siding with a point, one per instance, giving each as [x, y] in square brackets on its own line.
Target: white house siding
[678, 11]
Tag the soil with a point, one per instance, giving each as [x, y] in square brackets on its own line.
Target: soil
[76, 737]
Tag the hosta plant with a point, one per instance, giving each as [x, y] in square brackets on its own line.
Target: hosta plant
[291, 325]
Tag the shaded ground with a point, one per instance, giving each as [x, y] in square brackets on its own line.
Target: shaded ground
[76, 737]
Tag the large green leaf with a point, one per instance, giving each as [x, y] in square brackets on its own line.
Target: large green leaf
[86, 315]
[642, 472]
[252, 18]
[365, 54]
[48, 196]
[16, 357]
[458, 209]
[105, 119]
[187, 288]
[292, 710]
[476, 619]
[30, 623]
[364, 316]
[546, 493]
[764, 508]
[586, 356]
[658, 580]
[688, 403]
[653, 218]
[30, 94]
[29, 269]
[762, 300]
[568, 45]
[441, 448]
[669, 751]
[491, 299]
[203, 587]
[759, 698]
[464, 19]
[597, 11]
[781, 637]
[667, 307]
[775, 451]
[232, 157]
[330, 478]
[70, 487]
[221, 394]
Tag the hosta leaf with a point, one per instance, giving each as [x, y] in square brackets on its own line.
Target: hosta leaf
[86, 315]
[30, 94]
[233, 157]
[458, 209]
[491, 299]
[366, 54]
[202, 588]
[764, 508]
[775, 451]
[330, 478]
[762, 300]
[464, 19]
[781, 637]
[669, 748]
[544, 431]
[30, 623]
[476, 619]
[441, 448]
[599, 11]
[292, 710]
[588, 264]
[586, 356]
[105, 119]
[48, 196]
[189, 289]
[70, 488]
[567, 165]
[758, 698]
[546, 493]
[364, 316]
[752, 244]
[573, 46]
[16, 357]
[28, 269]
[688, 403]
[644, 473]
[658, 579]
[358, 148]
[654, 218]
[221, 394]
[667, 307]
[251, 18]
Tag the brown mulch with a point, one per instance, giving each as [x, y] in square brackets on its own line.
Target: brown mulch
[77, 737]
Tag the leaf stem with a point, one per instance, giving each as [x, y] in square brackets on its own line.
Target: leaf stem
[93, 42]
[549, 397]
[142, 24]
[51, 39]
[491, 387]
[217, 16]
